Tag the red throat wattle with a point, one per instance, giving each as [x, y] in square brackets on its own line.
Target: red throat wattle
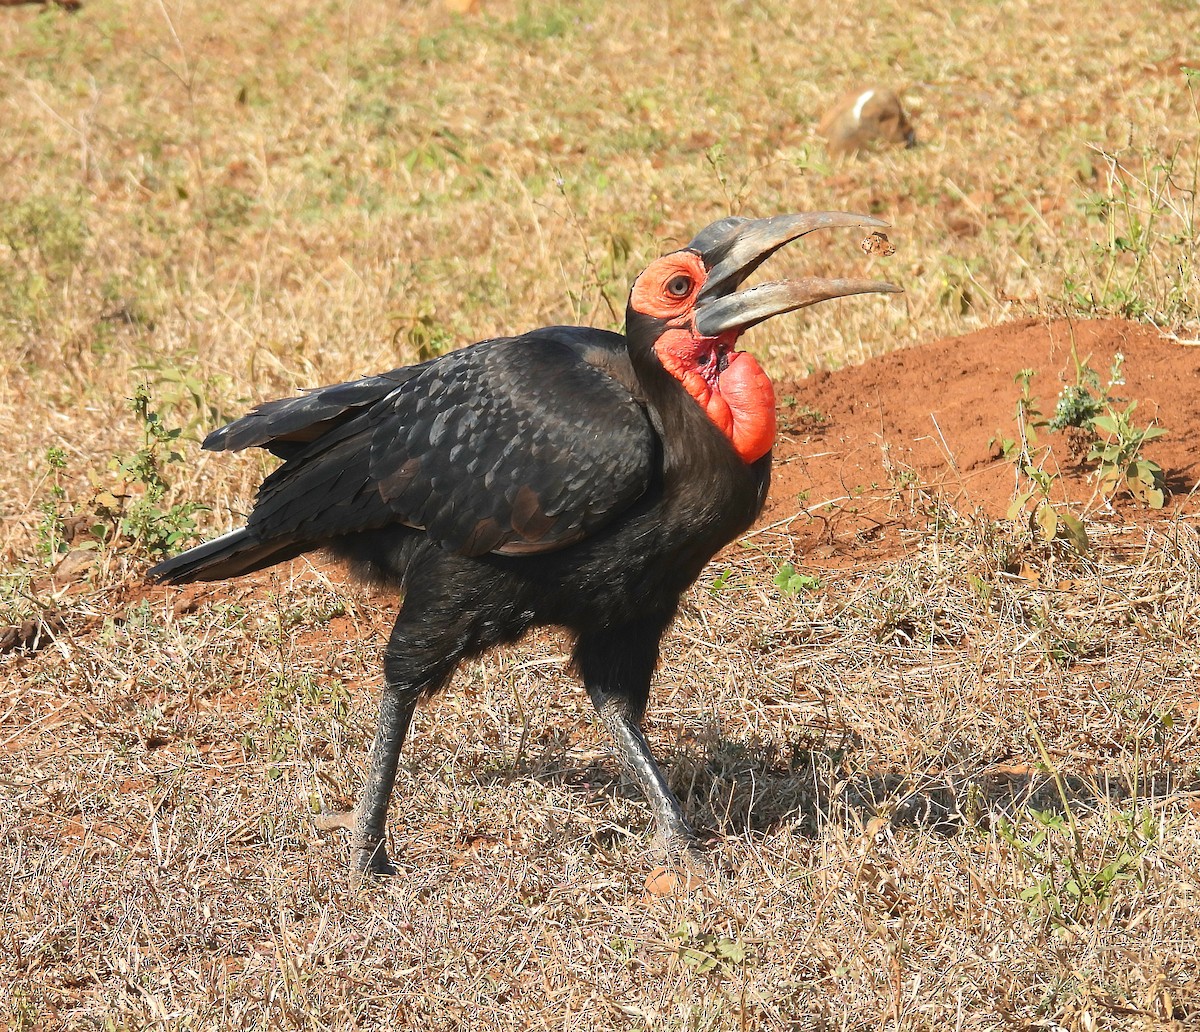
[730, 386]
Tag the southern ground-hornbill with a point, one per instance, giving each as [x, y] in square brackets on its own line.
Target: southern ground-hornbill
[568, 476]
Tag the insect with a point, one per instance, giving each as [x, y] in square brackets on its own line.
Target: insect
[878, 244]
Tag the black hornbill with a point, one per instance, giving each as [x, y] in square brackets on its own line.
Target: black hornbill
[569, 476]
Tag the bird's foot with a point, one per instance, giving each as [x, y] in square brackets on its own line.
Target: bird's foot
[689, 865]
[368, 852]
[682, 841]
[691, 851]
[370, 858]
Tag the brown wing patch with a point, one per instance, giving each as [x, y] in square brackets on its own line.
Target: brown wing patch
[483, 538]
[528, 519]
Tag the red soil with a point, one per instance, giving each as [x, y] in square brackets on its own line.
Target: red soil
[873, 438]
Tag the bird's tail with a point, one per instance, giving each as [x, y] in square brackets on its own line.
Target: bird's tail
[230, 555]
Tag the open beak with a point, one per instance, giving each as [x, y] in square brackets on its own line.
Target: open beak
[734, 247]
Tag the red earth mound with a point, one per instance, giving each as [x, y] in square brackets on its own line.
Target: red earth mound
[860, 444]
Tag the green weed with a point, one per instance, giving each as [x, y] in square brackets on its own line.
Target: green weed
[1121, 465]
[51, 531]
[1067, 882]
[708, 952]
[1141, 262]
[1091, 407]
[1047, 519]
[1080, 402]
[139, 511]
[720, 581]
[791, 582]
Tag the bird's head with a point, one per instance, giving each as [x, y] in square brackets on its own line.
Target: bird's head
[686, 314]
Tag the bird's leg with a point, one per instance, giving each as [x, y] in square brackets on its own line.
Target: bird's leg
[633, 753]
[414, 664]
[616, 668]
[370, 816]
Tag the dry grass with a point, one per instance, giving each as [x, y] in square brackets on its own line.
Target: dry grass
[954, 797]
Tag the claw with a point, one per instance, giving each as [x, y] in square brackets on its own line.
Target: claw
[685, 845]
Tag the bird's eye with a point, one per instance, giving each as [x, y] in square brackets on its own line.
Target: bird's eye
[679, 286]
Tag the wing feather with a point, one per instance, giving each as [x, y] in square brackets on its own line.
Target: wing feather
[515, 445]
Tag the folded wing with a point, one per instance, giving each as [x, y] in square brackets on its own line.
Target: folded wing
[516, 445]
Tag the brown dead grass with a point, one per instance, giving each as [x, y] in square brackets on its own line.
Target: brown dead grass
[875, 753]
[956, 789]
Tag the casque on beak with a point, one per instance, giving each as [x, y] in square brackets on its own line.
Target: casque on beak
[734, 247]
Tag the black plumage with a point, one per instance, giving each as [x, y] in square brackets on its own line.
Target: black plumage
[558, 477]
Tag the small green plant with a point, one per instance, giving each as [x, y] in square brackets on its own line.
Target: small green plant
[1140, 263]
[51, 532]
[428, 337]
[1047, 519]
[1027, 417]
[1090, 407]
[1065, 880]
[805, 415]
[1121, 463]
[1079, 403]
[139, 511]
[720, 581]
[180, 391]
[791, 582]
[707, 951]
[1027, 405]
[810, 414]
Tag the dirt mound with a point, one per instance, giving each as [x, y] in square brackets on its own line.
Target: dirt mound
[860, 445]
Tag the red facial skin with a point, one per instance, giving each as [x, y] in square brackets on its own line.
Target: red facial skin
[729, 385]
